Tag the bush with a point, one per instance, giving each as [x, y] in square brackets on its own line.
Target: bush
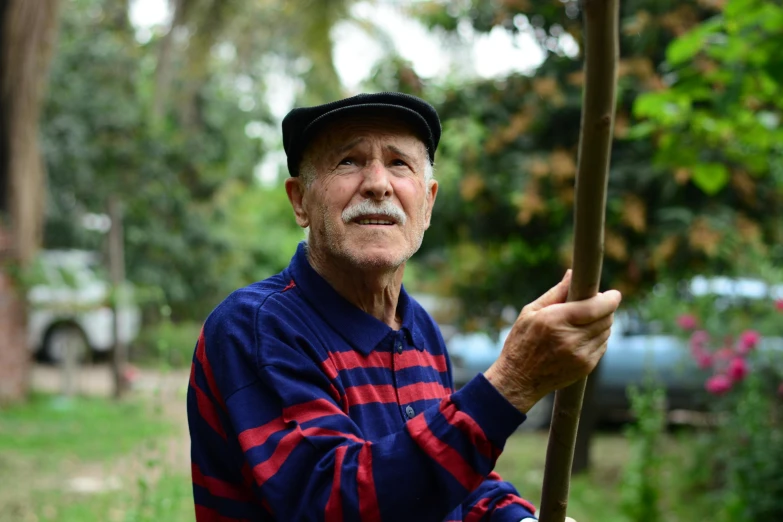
[641, 485]
[747, 458]
[167, 343]
[739, 463]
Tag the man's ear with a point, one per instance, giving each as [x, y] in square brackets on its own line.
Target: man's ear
[432, 193]
[296, 191]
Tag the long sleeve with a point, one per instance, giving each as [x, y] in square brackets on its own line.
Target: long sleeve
[496, 501]
[304, 458]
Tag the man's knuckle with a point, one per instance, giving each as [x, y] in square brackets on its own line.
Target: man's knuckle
[585, 364]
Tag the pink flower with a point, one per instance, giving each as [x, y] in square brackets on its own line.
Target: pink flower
[724, 354]
[721, 359]
[687, 321]
[748, 340]
[779, 305]
[718, 384]
[699, 339]
[699, 350]
[780, 390]
[703, 359]
[738, 369]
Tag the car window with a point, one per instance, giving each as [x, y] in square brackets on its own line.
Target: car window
[72, 271]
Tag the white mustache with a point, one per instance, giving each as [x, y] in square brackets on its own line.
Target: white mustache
[367, 207]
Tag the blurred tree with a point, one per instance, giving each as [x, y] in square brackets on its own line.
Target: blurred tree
[509, 152]
[508, 159]
[99, 141]
[298, 31]
[718, 124]
[27, 31]
[176, 124]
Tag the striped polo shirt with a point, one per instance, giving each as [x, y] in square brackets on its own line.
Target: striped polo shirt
[303, 407]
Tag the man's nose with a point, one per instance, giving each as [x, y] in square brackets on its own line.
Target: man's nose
[377, 181]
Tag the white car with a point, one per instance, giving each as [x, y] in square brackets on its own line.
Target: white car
[71, 304]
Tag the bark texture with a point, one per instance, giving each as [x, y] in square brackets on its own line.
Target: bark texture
[27, 33]
[595, 143]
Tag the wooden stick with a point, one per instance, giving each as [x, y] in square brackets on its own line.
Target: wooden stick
[595, 145]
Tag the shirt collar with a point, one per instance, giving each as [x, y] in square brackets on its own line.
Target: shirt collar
[409, 310]
[359, 329]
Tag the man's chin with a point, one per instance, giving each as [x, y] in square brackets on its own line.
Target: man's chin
[376, 258]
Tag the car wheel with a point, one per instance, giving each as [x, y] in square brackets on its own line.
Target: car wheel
[540, 415]
[62, 338]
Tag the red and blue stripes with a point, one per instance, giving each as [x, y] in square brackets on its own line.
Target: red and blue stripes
[301, 407]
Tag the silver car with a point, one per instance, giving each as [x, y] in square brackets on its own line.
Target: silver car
[635, 352]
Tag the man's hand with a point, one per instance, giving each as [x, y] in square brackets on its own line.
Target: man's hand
[553, 344]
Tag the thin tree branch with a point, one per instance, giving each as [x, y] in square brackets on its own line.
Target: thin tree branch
[595, 144]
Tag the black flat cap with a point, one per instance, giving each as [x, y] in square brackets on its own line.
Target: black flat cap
[300, 124]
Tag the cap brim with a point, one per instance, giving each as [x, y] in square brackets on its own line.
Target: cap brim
[301, 124]
[409, 115]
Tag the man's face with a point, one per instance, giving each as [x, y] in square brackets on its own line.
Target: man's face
[368, 203]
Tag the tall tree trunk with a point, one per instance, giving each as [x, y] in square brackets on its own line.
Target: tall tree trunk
[27, 33]
[117, 271]
[163, 70]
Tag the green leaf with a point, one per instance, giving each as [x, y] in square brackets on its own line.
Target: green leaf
[641, 130]
[650, 104]
[688, 45]
[710, 177]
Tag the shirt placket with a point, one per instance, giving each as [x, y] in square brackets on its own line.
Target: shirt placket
[400, 347]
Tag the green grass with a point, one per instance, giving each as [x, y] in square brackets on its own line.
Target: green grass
[51, 428]
[48, 440]
[170, 499]
[596, 496]
[591, 498]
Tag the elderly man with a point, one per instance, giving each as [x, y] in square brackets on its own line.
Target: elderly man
[325, 391]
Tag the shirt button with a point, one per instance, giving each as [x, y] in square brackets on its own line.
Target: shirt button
[409, 412]
[399, 348]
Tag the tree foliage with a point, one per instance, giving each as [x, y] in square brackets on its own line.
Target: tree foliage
[719, 121]
[695, 178]
[502, 227]
[186, 174]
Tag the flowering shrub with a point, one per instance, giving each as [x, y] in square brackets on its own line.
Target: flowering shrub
[726, 356]
[741, 462]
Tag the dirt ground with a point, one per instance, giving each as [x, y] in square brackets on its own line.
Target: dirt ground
[96, 380]
[166, 389]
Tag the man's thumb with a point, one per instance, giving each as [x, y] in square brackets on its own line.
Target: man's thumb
[556, 294]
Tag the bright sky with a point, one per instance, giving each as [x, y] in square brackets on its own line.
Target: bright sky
[356, 53]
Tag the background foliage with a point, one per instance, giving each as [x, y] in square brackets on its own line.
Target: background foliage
[178, 124]
[509, 155]
[177, 121]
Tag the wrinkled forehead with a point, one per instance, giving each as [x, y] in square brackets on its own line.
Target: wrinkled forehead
[382, 126]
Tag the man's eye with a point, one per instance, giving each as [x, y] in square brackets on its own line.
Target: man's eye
[346, 161]
[399, 163]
